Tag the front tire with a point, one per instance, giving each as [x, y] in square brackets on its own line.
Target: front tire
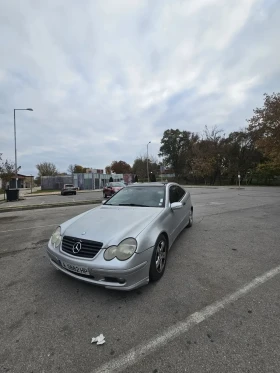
[190, 223]
[159, 258]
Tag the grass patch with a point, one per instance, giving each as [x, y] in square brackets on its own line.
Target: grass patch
[46, 191]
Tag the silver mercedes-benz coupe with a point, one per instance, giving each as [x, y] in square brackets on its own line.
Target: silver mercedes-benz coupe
[124, 243]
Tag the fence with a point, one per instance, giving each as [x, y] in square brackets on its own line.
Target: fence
[82, 181]
[55, 182]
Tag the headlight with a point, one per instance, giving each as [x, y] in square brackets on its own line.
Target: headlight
[56, 237]
[123, 251]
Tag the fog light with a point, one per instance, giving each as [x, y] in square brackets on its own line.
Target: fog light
[121, 280]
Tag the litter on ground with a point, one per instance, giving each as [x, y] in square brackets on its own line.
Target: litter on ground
[100, 340]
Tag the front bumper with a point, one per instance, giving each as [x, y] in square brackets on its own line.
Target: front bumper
[126, 275]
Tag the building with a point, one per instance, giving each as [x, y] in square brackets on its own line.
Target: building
[24, 181]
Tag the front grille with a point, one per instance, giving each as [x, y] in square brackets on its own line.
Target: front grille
[88, 248]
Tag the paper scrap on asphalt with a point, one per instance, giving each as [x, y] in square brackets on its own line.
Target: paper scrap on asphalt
[100, 340]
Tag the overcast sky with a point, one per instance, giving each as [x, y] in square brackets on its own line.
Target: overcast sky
[104, 77]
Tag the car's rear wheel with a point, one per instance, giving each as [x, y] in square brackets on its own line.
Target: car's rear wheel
[75, 193]
[104, 195]
[159, 258]
[190, 223]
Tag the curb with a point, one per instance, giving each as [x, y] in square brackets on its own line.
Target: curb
[58, 193]
[49, 206]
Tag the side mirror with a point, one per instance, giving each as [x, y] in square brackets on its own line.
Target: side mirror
[176, 205]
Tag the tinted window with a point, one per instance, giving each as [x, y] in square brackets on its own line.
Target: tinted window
[176, 193]
[180, 192]
[153, 196]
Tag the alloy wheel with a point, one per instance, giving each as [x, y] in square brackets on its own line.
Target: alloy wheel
[160, 256]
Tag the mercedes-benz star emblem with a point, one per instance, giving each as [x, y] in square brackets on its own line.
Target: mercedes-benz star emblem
[77, 247]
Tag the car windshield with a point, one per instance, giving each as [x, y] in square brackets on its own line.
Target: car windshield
[117, 184]
[142, 196]
[69, 186]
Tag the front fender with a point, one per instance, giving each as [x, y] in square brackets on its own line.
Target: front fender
[147, 238]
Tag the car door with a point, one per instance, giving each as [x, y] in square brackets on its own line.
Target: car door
[105, 189]
[109, 190]
[175, 216]
[184, 198]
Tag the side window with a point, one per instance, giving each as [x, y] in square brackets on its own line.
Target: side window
[176, 193]
[180, 193]
[173, 194]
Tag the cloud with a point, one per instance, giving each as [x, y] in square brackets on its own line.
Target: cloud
[106, 77]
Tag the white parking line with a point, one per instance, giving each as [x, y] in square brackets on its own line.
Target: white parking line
[146, 348]
[22, 229]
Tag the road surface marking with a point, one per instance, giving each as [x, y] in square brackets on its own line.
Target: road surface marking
[136, 354]
[21, 229]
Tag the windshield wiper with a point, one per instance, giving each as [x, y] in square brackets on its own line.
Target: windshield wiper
[132, 204]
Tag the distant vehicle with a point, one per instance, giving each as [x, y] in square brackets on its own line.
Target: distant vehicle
[111, 188]
[124, 243]
[68, 189]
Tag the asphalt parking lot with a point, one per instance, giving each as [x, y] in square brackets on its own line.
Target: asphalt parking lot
[37, 199]
[216, 309]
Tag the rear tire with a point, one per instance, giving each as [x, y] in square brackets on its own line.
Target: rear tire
[159, 258]
[75, 193]
[104, 195]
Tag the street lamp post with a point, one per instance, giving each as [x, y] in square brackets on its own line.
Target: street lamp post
[148, 160]
[15, 136]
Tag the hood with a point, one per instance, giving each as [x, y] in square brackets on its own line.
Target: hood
[117, 188]
[110, 224]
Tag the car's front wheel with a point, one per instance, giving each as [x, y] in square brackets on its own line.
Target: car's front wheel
[190, 223]
[159, 258]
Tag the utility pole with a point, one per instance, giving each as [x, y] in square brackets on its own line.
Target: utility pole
[15, 136]
[148, 161]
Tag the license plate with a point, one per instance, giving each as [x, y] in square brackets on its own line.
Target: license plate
[74, 268]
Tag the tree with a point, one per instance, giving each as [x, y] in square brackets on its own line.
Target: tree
[177, 150]
[108, 170]
[7, 171]
[120, 167]
[140, 166]
[240, 156]
[79, 169]
[46, 169]
[71, 169]
[264, 128]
